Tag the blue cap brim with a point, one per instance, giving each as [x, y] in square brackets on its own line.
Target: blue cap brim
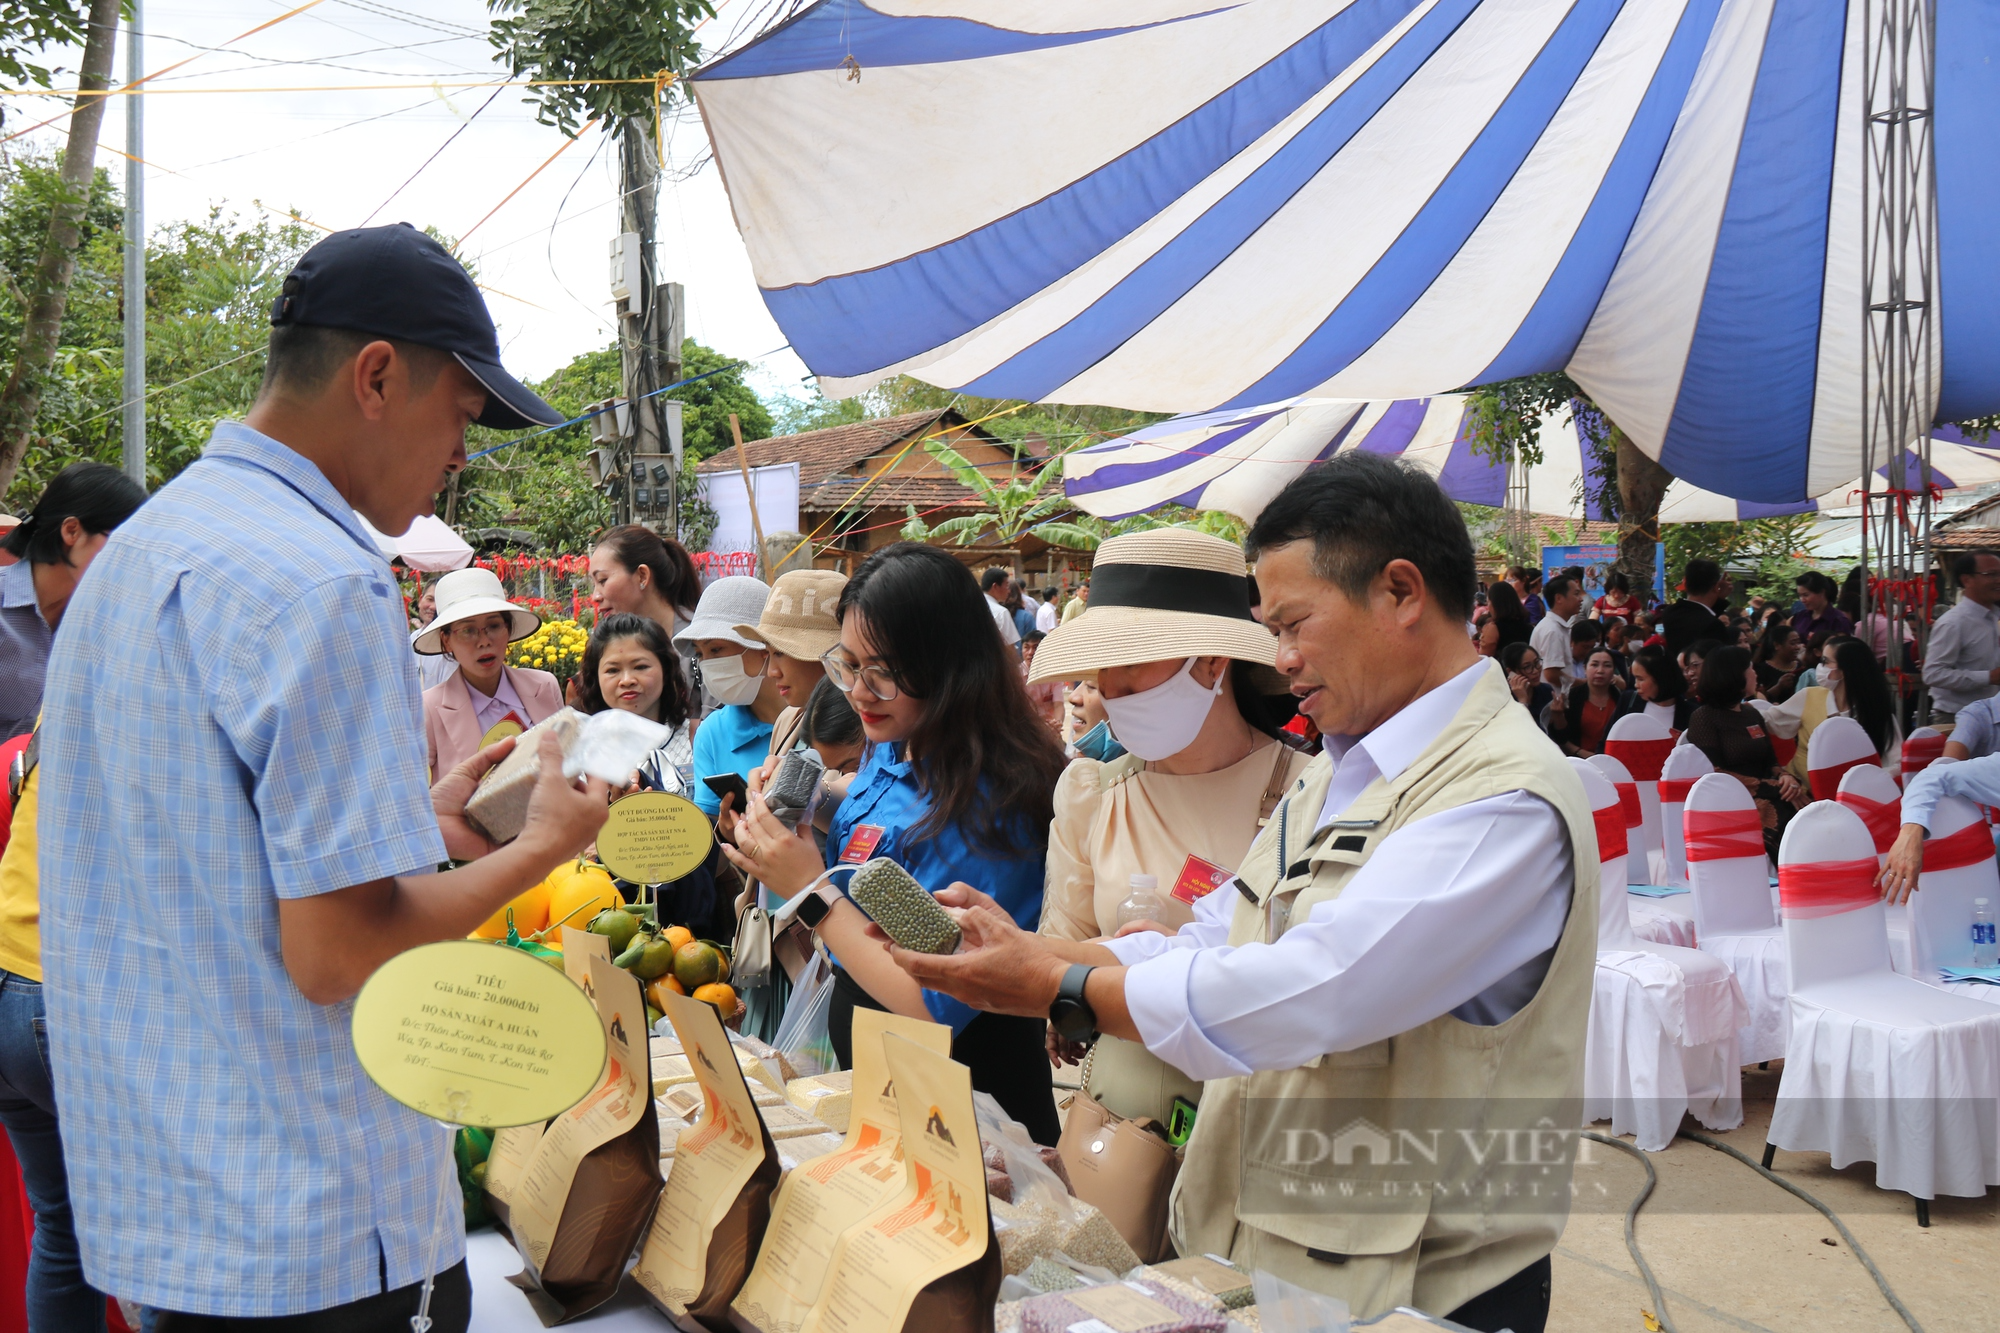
[510, 404]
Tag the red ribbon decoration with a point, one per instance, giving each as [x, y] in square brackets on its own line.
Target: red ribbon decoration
[1967, 847]
[1919, 753]
[1643, 759]
[1826, 781]
[1718, 835]
[1628, 801]
[1826, 888]
[1674, 791]
[1610, 832]
[1883, 818]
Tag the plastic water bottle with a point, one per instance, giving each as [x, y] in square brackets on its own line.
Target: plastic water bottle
[1143, 903]
[1985, 953]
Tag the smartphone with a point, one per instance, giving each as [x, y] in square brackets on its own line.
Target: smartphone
[730, 784]
[903, 908]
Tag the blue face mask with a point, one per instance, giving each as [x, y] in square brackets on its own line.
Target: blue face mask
[1098, 744]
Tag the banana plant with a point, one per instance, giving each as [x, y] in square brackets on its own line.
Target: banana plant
[1018, 505]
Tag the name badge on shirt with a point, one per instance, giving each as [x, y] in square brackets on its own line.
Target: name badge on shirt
[861, 844]
[1755, 732]
[1198, 879]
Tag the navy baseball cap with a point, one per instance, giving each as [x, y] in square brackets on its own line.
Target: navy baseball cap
[396, 282]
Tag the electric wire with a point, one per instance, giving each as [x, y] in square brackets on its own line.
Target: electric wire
[406, 16]
[432, 158]
[1888, 1294]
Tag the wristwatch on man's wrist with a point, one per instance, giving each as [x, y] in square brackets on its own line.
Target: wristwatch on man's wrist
[1071, 1014]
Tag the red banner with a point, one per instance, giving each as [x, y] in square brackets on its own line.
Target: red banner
[1610, 832]
[1883, 818]
[1643, 759]
[1826, 781]
[1718, 835]
[1826, 888]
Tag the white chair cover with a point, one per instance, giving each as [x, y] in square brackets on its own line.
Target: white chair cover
[1633, 809]
[1880, 1067]
[1677, 778]
[1642, 744]
[1941, 910]
[1837, 745]
[1661, 920]
[1874, 796]
[1732, 909]
[1663, 1021]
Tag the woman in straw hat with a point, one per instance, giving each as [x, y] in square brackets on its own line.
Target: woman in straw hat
[484, 700]
[1169, 639]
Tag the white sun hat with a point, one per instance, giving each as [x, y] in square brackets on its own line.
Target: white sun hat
[1155, 596]
[725, 604]
[465, 593]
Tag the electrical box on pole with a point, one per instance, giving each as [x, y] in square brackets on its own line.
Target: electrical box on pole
[628, 283]
[671, 302]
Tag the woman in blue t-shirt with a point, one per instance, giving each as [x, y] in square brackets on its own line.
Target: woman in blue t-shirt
[957, 785]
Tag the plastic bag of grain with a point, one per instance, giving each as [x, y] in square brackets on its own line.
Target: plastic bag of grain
[1132, 1306]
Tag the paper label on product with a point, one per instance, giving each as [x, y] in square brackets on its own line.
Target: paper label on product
[475, 1033]
[1089, 1326]
[935, 1224]
[713, 1161]
[621, 1098]
[826, 1195]
[654, 837]
[508, 1161]
[1120, 1308]
[861, 844]
[1198, 879]
[579, 947]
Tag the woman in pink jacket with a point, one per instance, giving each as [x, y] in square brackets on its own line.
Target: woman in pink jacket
[485, 699]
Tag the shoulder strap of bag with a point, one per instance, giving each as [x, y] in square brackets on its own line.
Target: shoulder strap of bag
[1274, 786]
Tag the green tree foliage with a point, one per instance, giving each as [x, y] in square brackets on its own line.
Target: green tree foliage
[209, 288]
[30, 27]
[1779, 549]
[609, 40]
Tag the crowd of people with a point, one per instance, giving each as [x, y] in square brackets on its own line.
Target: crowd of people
[1197, 825]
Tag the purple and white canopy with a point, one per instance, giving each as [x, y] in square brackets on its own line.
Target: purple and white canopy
[1235, 461]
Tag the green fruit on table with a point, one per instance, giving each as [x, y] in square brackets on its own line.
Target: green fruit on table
[697, 964]
[478, 1174]
[653, 1015]
[655, 959]
[633, 951]
[616, 925]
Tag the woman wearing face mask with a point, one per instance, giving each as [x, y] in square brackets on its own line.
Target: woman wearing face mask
[1175, 654]
[483, 699]
[736, 736]
[1851, 684]
[955, 787]
[1088, 724]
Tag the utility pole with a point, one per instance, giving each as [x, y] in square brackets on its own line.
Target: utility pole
[644, 473]
[135, 252]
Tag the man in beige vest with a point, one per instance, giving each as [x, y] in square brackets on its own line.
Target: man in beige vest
[1389, 1000]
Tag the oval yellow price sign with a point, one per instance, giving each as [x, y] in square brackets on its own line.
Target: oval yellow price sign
[651, 837]
[473, 1032]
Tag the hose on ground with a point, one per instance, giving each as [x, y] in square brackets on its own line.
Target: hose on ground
[1888, 1293]
[1631, 1231]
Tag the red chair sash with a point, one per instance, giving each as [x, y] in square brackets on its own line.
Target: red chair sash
[1826, 888]
[1674, 791]
[1628, 801]
[1883, 818]
[1643, 759]
[1784, 747]
[1826, 781]
[1967, 847]
[1610, 832]
[1718, 835]
[1920, 752]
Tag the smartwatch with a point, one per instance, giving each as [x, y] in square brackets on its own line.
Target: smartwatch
[1070, 1015]
[813, 910]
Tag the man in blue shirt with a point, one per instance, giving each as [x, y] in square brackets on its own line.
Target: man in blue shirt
[233, 772]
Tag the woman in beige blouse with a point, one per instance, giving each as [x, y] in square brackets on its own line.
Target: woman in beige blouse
[1169, 639]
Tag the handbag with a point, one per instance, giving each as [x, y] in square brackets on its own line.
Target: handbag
[750, 963]
[1124, 1168]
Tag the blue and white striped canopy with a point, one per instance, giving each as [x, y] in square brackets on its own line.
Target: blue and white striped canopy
[1235, 461]
[1185, 205]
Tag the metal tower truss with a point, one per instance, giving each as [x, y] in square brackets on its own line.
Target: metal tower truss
[1899, 371]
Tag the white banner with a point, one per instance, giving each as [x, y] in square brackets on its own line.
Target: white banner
[777, 504]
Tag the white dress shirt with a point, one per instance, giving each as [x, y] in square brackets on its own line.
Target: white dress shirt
[1964, 648]
[1456, 913]
[1550, 640]
[1976, 780]
[1010, 633]
[1046, 616]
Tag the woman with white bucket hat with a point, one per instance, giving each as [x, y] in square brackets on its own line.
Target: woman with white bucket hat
[485, 699]
[1169, 639]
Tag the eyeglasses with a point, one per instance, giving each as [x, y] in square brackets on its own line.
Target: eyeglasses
[845, 675]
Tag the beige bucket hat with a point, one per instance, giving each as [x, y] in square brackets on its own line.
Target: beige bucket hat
[465, 593]
[798, 619]
[1158, 595]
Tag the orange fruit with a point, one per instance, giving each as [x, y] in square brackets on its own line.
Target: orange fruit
[579, 892]
[664, 986]
[677, 936]
[719, 995]
[697, 965]
[531, 913]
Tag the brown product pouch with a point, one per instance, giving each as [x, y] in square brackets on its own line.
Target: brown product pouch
[589, 1186]
[717, 1202]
